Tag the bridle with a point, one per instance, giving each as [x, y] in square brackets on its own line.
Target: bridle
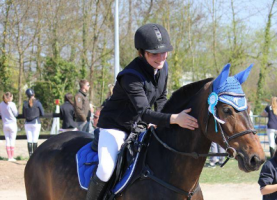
[231, 153]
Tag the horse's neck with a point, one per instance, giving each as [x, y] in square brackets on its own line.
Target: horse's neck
[179, 170]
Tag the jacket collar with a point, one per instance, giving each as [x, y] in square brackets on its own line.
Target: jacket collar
[83, 93]
[149, 69]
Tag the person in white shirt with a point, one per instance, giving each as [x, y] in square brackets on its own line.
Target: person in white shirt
[8, 112]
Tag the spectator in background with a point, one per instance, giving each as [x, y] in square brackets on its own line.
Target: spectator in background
[32, 110]
[96, 131]
[216, 160]
[250, 112]
[271, 113]
[68, 114]
[81, 105]
[96, 117]
[268, 179]
[8, 112]
[89, 127]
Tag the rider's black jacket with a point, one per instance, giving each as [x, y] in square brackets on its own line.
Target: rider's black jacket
[133, 98]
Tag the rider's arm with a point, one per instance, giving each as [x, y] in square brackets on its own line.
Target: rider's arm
[134, 89]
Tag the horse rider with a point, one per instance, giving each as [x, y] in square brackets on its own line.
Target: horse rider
[132, 100]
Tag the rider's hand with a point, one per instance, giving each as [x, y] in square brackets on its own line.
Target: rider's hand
[149, 125]
[184, 120]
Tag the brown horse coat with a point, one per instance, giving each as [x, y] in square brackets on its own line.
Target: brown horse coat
[51, 173]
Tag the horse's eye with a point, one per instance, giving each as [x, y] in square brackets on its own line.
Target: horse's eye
[227, 111]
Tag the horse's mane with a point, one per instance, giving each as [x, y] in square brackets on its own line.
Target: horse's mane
[183, 95]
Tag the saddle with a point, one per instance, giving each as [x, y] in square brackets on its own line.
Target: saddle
[133, 148]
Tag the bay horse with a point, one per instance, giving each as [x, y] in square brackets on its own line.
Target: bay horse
[51, 173]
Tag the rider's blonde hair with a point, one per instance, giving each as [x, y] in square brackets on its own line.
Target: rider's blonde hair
[274, 105]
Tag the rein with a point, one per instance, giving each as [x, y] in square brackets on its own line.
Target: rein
[193, 154]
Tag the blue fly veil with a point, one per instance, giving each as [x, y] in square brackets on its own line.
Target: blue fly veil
[228, 90]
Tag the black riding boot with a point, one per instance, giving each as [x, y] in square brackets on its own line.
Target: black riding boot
[30, 148]
[272, 151]
[95, 188]
[35, 146]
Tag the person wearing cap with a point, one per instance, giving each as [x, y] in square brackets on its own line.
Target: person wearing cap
[32, 110]
[141, 85]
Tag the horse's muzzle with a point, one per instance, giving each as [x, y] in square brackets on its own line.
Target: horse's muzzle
[249, 163]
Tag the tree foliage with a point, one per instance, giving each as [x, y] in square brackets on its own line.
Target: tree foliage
[60, 77]
[51, 45]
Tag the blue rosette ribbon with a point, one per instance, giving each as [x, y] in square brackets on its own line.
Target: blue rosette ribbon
[212, 101]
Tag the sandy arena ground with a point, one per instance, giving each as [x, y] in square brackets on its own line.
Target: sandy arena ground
[12, 181]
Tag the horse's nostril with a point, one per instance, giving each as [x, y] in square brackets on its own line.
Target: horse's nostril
[254, 161]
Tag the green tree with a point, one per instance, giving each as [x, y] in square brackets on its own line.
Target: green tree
[264, 61]
[60, 76]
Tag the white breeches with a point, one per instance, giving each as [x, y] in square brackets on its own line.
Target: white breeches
[10, 131]
[271, 137]
[32, 132]
[110, 141]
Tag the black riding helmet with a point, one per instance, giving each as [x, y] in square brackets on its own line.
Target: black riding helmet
[153, 38]
[29, 92]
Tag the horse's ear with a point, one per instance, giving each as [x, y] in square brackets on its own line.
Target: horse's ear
[221, 77]
[242, 76]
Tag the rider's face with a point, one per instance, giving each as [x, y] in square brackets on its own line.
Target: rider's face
[156, 60]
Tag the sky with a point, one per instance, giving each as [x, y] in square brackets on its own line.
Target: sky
[254, 12]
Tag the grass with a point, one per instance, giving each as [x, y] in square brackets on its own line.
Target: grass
[230, 173]
[17, 158]
[22, 132]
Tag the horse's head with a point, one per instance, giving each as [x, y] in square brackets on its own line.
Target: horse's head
[228, 122]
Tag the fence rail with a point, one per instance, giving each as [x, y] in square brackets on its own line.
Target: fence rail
[41, 136]
[46, 115]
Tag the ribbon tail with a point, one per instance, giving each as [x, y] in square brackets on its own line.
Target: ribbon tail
[219, 120]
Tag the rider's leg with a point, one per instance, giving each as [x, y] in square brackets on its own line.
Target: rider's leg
[110, 141]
